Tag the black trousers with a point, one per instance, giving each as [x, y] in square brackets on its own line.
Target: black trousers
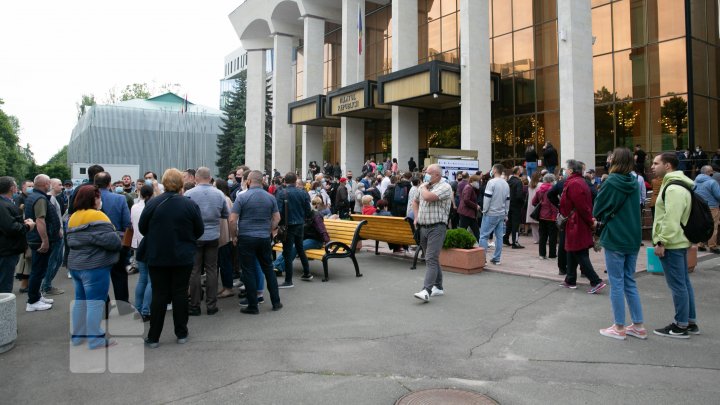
[472, 223]
[251, 252]
[562, 254]
[119, 277]
[169, 284]
[548, 233]
[513, 225]
[294, 236]
[582, 258]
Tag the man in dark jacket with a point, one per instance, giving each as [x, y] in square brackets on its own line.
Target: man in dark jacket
[341, 203]
[550, 157]
[517, 199]
[294, 206]
[12, 233]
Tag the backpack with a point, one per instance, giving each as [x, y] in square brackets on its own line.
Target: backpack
[700, 224]
[400, 196]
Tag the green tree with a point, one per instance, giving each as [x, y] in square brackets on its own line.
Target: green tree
[674, 119]
[85, 101]
[231, 142]
[15, 160]
[57, 166]
[135, 90]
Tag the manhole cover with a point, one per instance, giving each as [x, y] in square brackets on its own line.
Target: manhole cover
[445, 397]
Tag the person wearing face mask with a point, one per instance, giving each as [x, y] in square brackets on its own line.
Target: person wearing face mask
[469, 208]
[699, 159]
[432, 211]
[12, 233]
[317, 190]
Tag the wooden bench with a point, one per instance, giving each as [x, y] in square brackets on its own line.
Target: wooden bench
[343, 235]
[395, 230]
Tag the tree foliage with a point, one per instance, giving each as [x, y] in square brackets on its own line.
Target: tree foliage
[57, 166]
[231, 142]
[86, 100]
[15, 160]
[135, 90]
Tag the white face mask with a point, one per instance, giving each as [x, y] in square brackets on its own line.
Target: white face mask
[100, 206]
[475, 184]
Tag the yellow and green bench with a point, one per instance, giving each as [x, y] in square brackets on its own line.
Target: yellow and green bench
[395, 230]
[344, 236]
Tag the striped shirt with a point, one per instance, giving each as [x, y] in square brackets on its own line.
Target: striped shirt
[434, 212]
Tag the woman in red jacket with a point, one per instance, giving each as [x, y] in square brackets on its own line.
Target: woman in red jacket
[468, 208]
[548, 214]
[576, 205]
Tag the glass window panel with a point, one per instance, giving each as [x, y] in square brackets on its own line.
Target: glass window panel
[371, 60]
[548, 88]
[449, 7]
[700, 65]
[631, 123]
[433, 7]
[434, 44]
[667, 68]
[712, 22]
[700, 110]
[548, 128]
[713, 125]
[713, 71]
[423, 42]
[621, 25]
[630, 74]
[546, 48]
[698, 22]
[672, 115]
[594, 3]
[504, 106]
[525, 93]
[387, 65]
[502, 54]
[502, 138]
[502, 17]
[490, 18]
[523, 49]
[525, 126]
[545, 10]
[604, 129]
[603, 78]
[522, 13]
[449, 32]
[601, 21]
[666, 19]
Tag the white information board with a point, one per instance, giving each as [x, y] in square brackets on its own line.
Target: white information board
[450, 167]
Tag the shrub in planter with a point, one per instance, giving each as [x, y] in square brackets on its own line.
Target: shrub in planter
[459, 254]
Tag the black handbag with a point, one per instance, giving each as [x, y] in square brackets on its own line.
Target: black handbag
[281, 235]
[535, 214]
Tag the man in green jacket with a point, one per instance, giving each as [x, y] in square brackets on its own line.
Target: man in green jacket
[671, 245]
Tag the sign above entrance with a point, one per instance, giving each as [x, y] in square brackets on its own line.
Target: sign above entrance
[311, 111]
[434, 85]
[359, 100]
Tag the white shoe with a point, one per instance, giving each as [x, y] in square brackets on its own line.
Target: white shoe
[491, 244]
[436, 292]
[169, 307]
[48, 301]
[69, 276]
[423, 295]
[37, 306]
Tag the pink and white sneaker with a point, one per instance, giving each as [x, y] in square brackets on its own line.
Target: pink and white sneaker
[611, 332]
[634, 331]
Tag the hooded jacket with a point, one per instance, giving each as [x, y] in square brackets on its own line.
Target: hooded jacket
[708, 189]
[576, 205]
[671, 212]
[92, 240]
[622, 232]
[548, 211]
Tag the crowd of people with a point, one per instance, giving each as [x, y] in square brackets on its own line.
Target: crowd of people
[189, 235]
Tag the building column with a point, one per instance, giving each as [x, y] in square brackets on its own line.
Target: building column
[577, 117]
[255, 111]
[352, 131]
[475, 120]
[283, 141]
[313, 56]
[405, 132]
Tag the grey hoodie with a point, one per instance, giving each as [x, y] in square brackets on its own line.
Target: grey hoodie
[496, 201]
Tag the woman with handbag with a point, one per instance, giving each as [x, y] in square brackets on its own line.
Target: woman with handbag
[576, 206]
[546, 215]
[620, 235]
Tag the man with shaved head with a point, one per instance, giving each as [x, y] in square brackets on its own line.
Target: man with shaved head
[56, 253]
[432, 211]
[41, 240]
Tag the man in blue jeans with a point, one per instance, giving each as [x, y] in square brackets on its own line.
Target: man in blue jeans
[672, 209]
[12, 233]
[496, 206]
[253, 220]
[294, 206]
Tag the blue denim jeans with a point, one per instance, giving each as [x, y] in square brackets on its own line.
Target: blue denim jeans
[675, 268]
[91, 290]
[492, 224]
[7, 268]
[54, 263]
[279, 263]
[531, 167]
[621, 273]
[143, 289]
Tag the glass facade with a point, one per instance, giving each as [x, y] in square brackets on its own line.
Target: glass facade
[438, 31]
[705, 38]
[523, 50]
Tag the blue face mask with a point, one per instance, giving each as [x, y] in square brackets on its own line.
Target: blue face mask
[29, 190]
[230, 183]
[426, 178]
[118, 190]
[148, 182]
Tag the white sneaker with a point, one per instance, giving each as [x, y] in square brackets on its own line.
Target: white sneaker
[37, 306]
[169, 307]
[436, 292]
[69, 276]
[491, 245]
[48, 301]
[423, 295]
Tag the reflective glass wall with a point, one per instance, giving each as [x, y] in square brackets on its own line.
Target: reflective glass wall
[705, 35]
[523, 50]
